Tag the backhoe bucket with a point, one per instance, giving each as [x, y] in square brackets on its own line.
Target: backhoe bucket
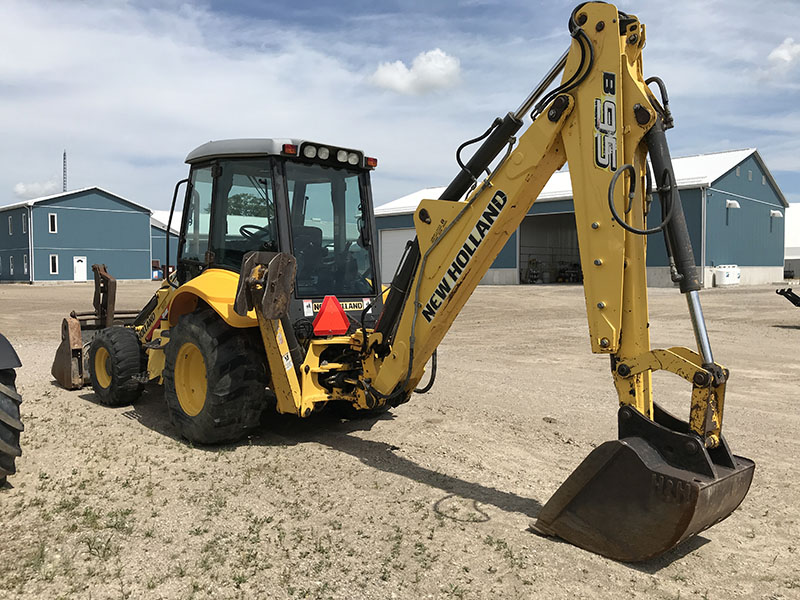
[635, 498]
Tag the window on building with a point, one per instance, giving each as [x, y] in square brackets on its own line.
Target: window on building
[52, 221]
[54, 264]
[25, 264]
[749, 175]
[763, 180]
[738, 171]
[24, 223]
[9, 226]
[10, 265]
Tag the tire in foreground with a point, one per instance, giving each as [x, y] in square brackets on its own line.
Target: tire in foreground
[10, 424]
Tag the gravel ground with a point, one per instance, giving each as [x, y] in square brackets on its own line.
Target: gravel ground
[430, 501]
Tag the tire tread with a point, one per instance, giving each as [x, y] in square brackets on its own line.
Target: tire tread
[126, 363]
[10, 423]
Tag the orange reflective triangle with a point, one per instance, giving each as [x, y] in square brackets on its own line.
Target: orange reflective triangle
[331, 318]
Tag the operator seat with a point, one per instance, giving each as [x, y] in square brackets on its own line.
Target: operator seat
[308, 250]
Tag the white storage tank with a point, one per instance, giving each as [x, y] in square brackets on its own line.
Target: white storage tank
[727, 275]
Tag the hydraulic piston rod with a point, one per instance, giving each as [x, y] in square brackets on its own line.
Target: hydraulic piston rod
[699, 326]
[545, 83]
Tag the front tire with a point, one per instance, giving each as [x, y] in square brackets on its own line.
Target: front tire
[215, 379]
[115, 366]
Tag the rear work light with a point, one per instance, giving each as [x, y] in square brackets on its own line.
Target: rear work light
[331, 318]
[290, 149]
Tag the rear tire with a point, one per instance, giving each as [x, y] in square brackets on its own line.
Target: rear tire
[115, 363]
[10, 424]
[215, 379]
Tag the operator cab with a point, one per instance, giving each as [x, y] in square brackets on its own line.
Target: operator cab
[310, 200]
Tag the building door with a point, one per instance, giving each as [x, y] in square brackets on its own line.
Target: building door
[79, 268]
[548, 249]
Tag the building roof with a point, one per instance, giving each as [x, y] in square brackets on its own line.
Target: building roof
[407, 204]
[159, 220]
[700, 170]
[72, 193]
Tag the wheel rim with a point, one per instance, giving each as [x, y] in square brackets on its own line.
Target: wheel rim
[101, 371]
[190, 379]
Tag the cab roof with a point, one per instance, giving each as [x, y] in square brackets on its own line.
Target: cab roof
[243, 147]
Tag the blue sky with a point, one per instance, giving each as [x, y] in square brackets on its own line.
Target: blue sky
[128, 88]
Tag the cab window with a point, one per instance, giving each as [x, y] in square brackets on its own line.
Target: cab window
[244, 213]
[198, 215]
[329, 239]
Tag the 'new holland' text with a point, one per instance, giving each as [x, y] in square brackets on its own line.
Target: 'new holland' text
[460, 262]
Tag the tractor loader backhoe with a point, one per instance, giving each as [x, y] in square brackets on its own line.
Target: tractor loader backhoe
[275, 296]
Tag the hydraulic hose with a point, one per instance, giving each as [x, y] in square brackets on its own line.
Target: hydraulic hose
[429, 385]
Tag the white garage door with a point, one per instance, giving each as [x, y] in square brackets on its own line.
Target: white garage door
[393, 244]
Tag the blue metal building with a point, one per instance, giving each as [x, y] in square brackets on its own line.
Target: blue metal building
[59, 237]
[734, 210]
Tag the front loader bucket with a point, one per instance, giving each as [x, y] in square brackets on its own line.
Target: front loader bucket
[78, 329]
[635, 498]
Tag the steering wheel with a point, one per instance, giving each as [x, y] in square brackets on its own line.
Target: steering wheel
[249, 231]
[262, 235]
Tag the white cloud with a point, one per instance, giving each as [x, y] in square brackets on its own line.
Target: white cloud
[785, 54]
[430, 71]
[780, 61]
[28, 191]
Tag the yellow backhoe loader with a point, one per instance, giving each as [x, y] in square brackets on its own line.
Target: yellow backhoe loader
[275, 301]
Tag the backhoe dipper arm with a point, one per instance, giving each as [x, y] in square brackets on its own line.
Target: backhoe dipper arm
[664, 479]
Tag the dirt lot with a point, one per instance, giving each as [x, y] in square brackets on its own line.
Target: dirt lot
[431, 501]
